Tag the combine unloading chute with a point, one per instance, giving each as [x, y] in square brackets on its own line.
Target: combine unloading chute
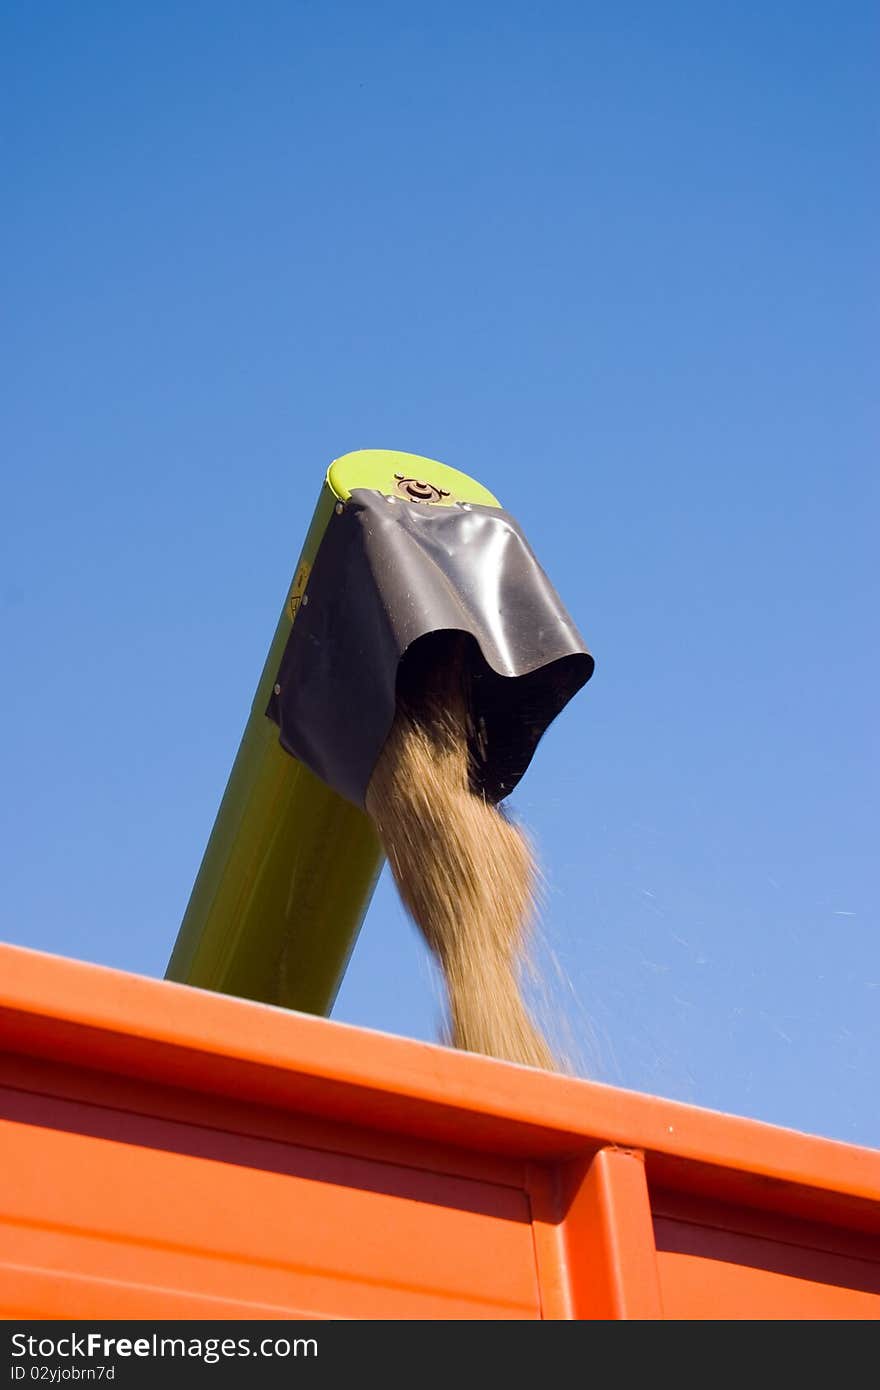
[403, 554]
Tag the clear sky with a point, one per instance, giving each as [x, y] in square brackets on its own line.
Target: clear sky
[617, 261]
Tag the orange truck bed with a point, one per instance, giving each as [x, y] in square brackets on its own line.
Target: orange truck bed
[169, 1153]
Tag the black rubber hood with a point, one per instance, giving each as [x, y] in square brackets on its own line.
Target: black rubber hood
[391, 581]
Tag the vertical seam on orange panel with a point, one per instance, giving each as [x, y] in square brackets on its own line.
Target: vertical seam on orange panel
[551, 1270]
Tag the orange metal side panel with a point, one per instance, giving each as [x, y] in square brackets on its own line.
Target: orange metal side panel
[755, 1265]
[150, 1207]
[710, 1289]
[171, 1153]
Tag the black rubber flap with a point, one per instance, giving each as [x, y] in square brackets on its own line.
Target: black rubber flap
[390, 583]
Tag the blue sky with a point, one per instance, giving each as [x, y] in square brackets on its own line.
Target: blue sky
[617, 262]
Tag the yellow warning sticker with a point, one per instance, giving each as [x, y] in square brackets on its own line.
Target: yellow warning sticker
[299, 588]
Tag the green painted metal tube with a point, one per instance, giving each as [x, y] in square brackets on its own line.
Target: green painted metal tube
[290, 866]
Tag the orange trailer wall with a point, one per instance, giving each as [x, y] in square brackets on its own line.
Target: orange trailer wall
[170, 1153]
